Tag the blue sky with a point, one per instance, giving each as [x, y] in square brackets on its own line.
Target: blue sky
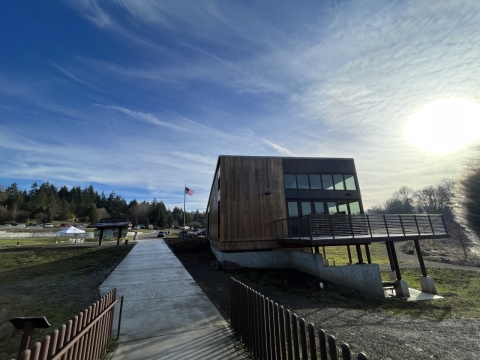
[141, 96]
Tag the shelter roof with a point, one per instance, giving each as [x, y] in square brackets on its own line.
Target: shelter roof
[110, 223]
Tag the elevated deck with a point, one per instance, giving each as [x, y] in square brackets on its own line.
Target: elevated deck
[339, 229]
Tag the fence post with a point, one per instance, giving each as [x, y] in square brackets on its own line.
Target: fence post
[303, 338]
[277, 330]
[346, 354]
[272, 328]
[288, 330]
[312, 343]
[296, 347]
[282, 332]
[332, 346]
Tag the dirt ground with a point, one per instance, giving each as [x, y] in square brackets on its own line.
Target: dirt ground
[352, 317]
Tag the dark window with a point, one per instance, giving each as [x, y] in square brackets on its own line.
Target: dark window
[327, 182]
[290, 181]
[332, 207]
[315, 182]
[302, 181]
[306, 208]
[292, 209]
[350, 182]
[319, 208]
[338, 179]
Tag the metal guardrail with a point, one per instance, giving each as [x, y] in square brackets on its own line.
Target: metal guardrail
[270, 331]
[356, 226]
[85, 337]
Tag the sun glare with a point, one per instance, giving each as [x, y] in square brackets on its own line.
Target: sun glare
[443, 126]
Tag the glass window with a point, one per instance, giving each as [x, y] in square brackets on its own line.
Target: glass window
[290, 181]
[327, 182]
[342, 207]
[303, 182]
[354, 208]
[306, 208]
[338, 180]
[315, 182]
[350, 182]
[332, 207]
[292, 209]
[319, 208]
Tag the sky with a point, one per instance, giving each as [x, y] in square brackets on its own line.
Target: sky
[140, 97]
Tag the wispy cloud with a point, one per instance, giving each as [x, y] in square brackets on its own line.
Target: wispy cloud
[278, 147]
[145, 117]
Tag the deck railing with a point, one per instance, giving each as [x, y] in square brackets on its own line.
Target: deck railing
[356, 226]
[270, 331]
[85, 337]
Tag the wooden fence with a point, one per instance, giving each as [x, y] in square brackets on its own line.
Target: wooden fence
[271, 332]
[85, 337]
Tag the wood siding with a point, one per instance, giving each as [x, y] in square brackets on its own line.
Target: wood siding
[248, 214]
[212, 214]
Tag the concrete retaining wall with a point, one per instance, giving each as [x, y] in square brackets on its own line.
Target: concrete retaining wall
[365, 277]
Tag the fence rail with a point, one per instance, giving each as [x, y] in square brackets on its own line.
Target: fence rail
[360, 226]
[271, 332]
[40, 234]
[85, 337]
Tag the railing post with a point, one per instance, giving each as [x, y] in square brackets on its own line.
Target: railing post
[444, 224]
[401, 223]
[331, 227]
[369, 227]
[351, 226]
[310, 228]
[386, 226]
[431, 226]
[416, 223]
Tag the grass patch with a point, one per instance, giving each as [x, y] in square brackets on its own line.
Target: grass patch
[51, 281]
[339, 254]
[27, 242]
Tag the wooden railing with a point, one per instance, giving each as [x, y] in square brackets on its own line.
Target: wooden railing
[356, 226]
[85, 337]
[270, 331]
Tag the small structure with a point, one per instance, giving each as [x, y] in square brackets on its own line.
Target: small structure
[277, 212]
[112, 228]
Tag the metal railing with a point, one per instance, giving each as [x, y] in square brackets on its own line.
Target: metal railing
[270, 331]
[85, 337]
[355, 226]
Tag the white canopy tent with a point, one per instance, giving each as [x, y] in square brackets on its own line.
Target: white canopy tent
[71, 230]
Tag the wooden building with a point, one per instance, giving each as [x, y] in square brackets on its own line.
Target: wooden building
[250, 194]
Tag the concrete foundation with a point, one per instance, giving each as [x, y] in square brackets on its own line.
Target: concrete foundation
[392, 275]
[402, 289]
[427, 284]
[362, 277]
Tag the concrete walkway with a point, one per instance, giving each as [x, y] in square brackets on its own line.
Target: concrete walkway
[166, 315]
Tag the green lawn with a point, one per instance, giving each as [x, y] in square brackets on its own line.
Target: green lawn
[52, 281]
[338, 255]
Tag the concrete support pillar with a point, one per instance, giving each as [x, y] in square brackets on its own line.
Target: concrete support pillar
[427, 284]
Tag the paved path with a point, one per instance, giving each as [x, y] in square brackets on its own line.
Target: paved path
[165, 313]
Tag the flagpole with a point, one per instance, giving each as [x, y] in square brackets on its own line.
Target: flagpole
[184, 195]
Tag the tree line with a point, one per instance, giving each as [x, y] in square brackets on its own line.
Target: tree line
[433, 199]
[45, 203]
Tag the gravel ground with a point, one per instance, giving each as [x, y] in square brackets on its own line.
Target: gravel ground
[380, 336]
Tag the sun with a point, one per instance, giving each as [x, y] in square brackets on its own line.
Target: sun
[443, 126]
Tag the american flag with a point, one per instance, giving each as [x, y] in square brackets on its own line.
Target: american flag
[189, 191]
